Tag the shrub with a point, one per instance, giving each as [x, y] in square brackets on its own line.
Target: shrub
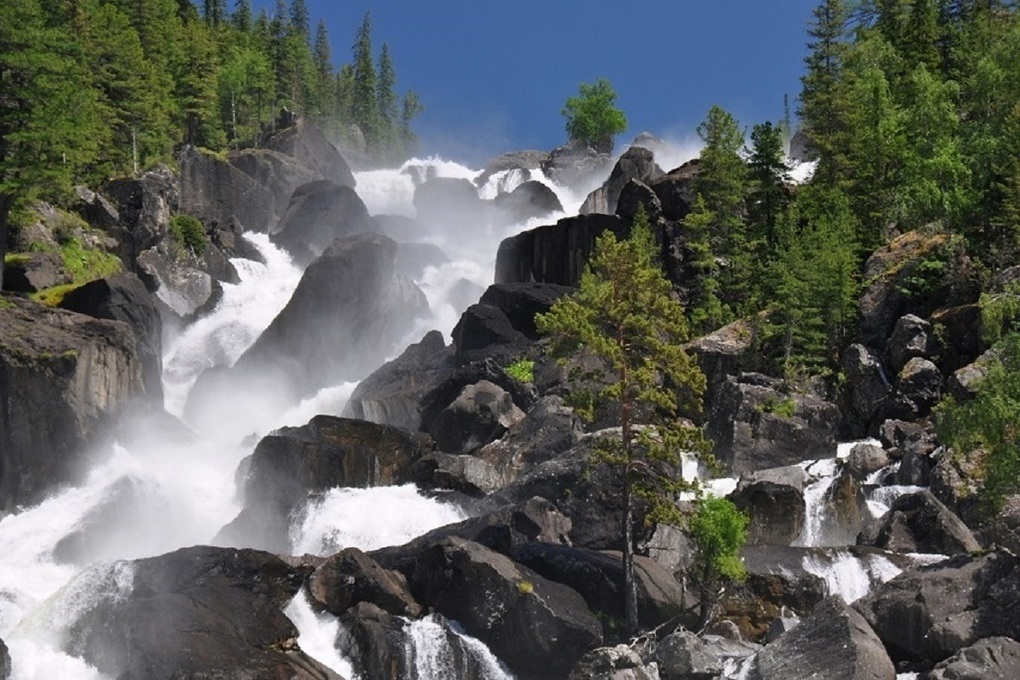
[189, 232]
[522, 370]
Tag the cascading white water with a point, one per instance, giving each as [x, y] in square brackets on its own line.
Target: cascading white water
[849, 576]
[176, 494]
[433, 657]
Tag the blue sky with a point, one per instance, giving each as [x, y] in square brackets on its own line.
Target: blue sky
[494, 75]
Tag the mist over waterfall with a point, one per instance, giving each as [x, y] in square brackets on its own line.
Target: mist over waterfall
[171, 487]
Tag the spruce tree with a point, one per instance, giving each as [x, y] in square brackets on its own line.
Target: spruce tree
[387, 96]
[624, 314]
[241, 19]
[364, 98]
[823, 99]
[768, 174]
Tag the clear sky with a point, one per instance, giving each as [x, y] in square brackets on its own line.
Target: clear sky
[494, 75]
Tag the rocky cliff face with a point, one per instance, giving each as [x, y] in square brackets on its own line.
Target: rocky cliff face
[63, 376]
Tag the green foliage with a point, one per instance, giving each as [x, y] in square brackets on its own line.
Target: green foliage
[522, 370]
[84, 264]
[624, 314]
[784, 408]
[1000, 313]
[986, 427]
[189, 232]
[592, 116]
[719, 530]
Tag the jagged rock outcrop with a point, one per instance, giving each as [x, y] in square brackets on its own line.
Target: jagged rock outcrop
[437, 399]
[319, 213]
[63, 376]
[676, 192]
[756, 426]
[912, 337]
[32, 272]
[866, 388]
[485, 331]
[305, 142]
[929, 614]
[553, 253]
[576, 165]
[123, 297]
[199, 594]
[279, 173]
[528, 200]
[144, 206]
[521, 301]
[462, 473]
[636, 163]
[612, 663]
[833, 642]
[994, 657]
[215, 192]
[537, 627]
[548, 429]
[480, 414]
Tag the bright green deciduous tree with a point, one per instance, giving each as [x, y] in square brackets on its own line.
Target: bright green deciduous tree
[592, 116]
[719, 530]
[624, 314]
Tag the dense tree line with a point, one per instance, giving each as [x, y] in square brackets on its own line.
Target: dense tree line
[91, 89]
[912, 110]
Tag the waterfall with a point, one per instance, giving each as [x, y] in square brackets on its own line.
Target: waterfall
[160, 492]
[435, 656]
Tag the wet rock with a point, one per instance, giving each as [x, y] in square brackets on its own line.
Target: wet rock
[463, 473]
[198, 594]
[279, 173]
[919, 523]
[414, 258]
[5, 661]
[350, 576]
[774, 501]
[994, 657]
[144, 206]
[177, 279]
[480, 414]
[865, 459]
[319, 213]
[437, 399]
[519, 163]
[612, 663]
[834, 641]
[65, 378]
[537, 627]
[865, 390]
[576, 165]
[933, 612]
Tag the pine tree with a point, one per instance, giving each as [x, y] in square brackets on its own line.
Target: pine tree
[364, 99]
[624, 314]
[823, 100]
[215, 12]
[768, 174]
[299, 19]
[241, 19]
[324, 92]
[48, 124]
[387, 96]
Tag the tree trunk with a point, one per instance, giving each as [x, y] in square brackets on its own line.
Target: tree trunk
[629, 586]
[6, 201]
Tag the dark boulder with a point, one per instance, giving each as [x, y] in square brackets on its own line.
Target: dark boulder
[912, 337]
[864, 460]
[32, 272]
[676, 191]
[918, 389]
[144, 206]
[481, 413]
[215, 192]
[865, 390]
[929, 614]
[635, 196]
[598, 577]
[414, 258]
[725, 352]
[65, 377]
[350, 576]
[463, 473]
[319, 213]
[481, 330]
[961, 341]
[5, 661]
[520, 302]
[833, 642]
[774, 501]
[548, 429]
[529, 200]
[682, 655]
[177, 279]
[305, 142]
[994, 657]
[437, 399]
[755, 426]
[636, 163]
[537, 627]
[123, 297]
[553, 253]
[222, 609]
[919, 523]
[391, 394]
[279, 173]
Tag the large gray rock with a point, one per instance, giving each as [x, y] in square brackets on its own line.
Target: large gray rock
[676, 191]
[636, 163]
[576, 165]
[480, 414]
[774, 501]
[5, 661]
[919, 523]
[215, 192]
[833, 642]
[63, 376]
[682, 655]
[305, 142]
[537, 627]
[222, 609]
[912, 337]
[350, 576]
[346, 314]
[484, 330]
[994, 657]
[32, 272]
[529, 200]
[933, 612]
[390, 395]
[918, 389]
[276, 171]
[122, 297]
[548, 429]
[449, 203]
[865, 390]
[754, 426]
[143, 206]
[455, 472]
[553, 253]
[319, 213]
[520, 302]
[612, 663]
